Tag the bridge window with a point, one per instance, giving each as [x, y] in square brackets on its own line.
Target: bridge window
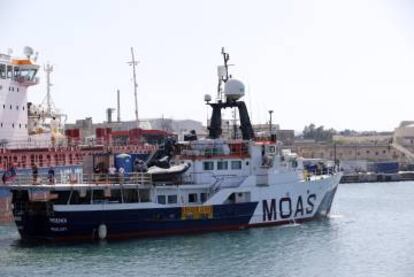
[28, 74]
[192, 198]
[236, 164]
[208, 165]
[222, 165]
[3, 71]
[203, 197]
[161, 199]
[172, 199]
[9, 72]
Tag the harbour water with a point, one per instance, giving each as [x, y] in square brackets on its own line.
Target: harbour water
[370, 233]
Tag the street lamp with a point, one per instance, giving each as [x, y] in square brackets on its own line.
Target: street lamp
[270, 122]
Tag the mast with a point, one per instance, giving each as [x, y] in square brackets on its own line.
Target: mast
[134, 63]
[48, 69]
[223, 73]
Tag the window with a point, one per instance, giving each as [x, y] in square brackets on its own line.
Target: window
[203, 197]
[17, 89]
[17, 107]
[161, 199]
[9, 72]
[192, 198]
[23, 108]
[13, 125]
[208, 165]
[4, 106]
[3, 71]
[11, 107]
[222, 165]
[20, 125]
[236, 164]
[1, 125]
[16, 73]
[172, 199]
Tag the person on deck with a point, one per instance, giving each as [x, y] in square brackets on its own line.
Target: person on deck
[35, 173]
[51, 175]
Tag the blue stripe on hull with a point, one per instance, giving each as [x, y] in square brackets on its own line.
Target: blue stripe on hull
[133, 223]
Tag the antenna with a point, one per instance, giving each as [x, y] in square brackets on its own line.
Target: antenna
[223, 73]
[134, 63]
[48, 69]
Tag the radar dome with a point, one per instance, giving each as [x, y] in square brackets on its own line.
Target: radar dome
[28, 51]
[233, 89]
[207, 97]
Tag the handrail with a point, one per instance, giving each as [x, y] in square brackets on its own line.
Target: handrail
[44, 179]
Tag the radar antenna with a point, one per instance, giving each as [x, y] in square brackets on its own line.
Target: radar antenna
[134, 63]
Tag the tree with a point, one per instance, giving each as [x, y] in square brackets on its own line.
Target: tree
[318, 133]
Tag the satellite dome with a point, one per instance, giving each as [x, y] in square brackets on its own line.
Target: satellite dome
[207, 97]
[28, 51]
[233, 89]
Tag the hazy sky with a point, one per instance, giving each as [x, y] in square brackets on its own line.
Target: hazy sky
[341, 64]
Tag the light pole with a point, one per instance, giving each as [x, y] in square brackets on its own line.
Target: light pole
[270, 122]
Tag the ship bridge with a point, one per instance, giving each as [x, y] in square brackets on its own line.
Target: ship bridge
[16, 75]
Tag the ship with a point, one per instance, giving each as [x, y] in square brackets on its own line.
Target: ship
[193, 186]
[33, 138]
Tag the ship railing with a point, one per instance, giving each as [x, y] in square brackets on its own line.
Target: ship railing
[97, 179]
[67, 142]
[319, 172]
[214, 150]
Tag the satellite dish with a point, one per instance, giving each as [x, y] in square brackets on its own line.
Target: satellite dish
[207, 97]
[28, 51]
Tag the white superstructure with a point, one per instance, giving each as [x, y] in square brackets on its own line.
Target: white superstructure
[16, 75]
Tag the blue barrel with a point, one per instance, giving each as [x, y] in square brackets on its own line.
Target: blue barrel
[124, 161]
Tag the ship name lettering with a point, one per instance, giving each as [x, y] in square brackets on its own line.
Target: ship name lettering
[273, 208]
[58, 220]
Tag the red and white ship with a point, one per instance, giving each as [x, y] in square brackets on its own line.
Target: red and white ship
[33, 136]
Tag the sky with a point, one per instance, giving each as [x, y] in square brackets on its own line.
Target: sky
[340, 64]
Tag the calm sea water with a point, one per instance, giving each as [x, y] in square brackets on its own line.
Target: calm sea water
[370, 233]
